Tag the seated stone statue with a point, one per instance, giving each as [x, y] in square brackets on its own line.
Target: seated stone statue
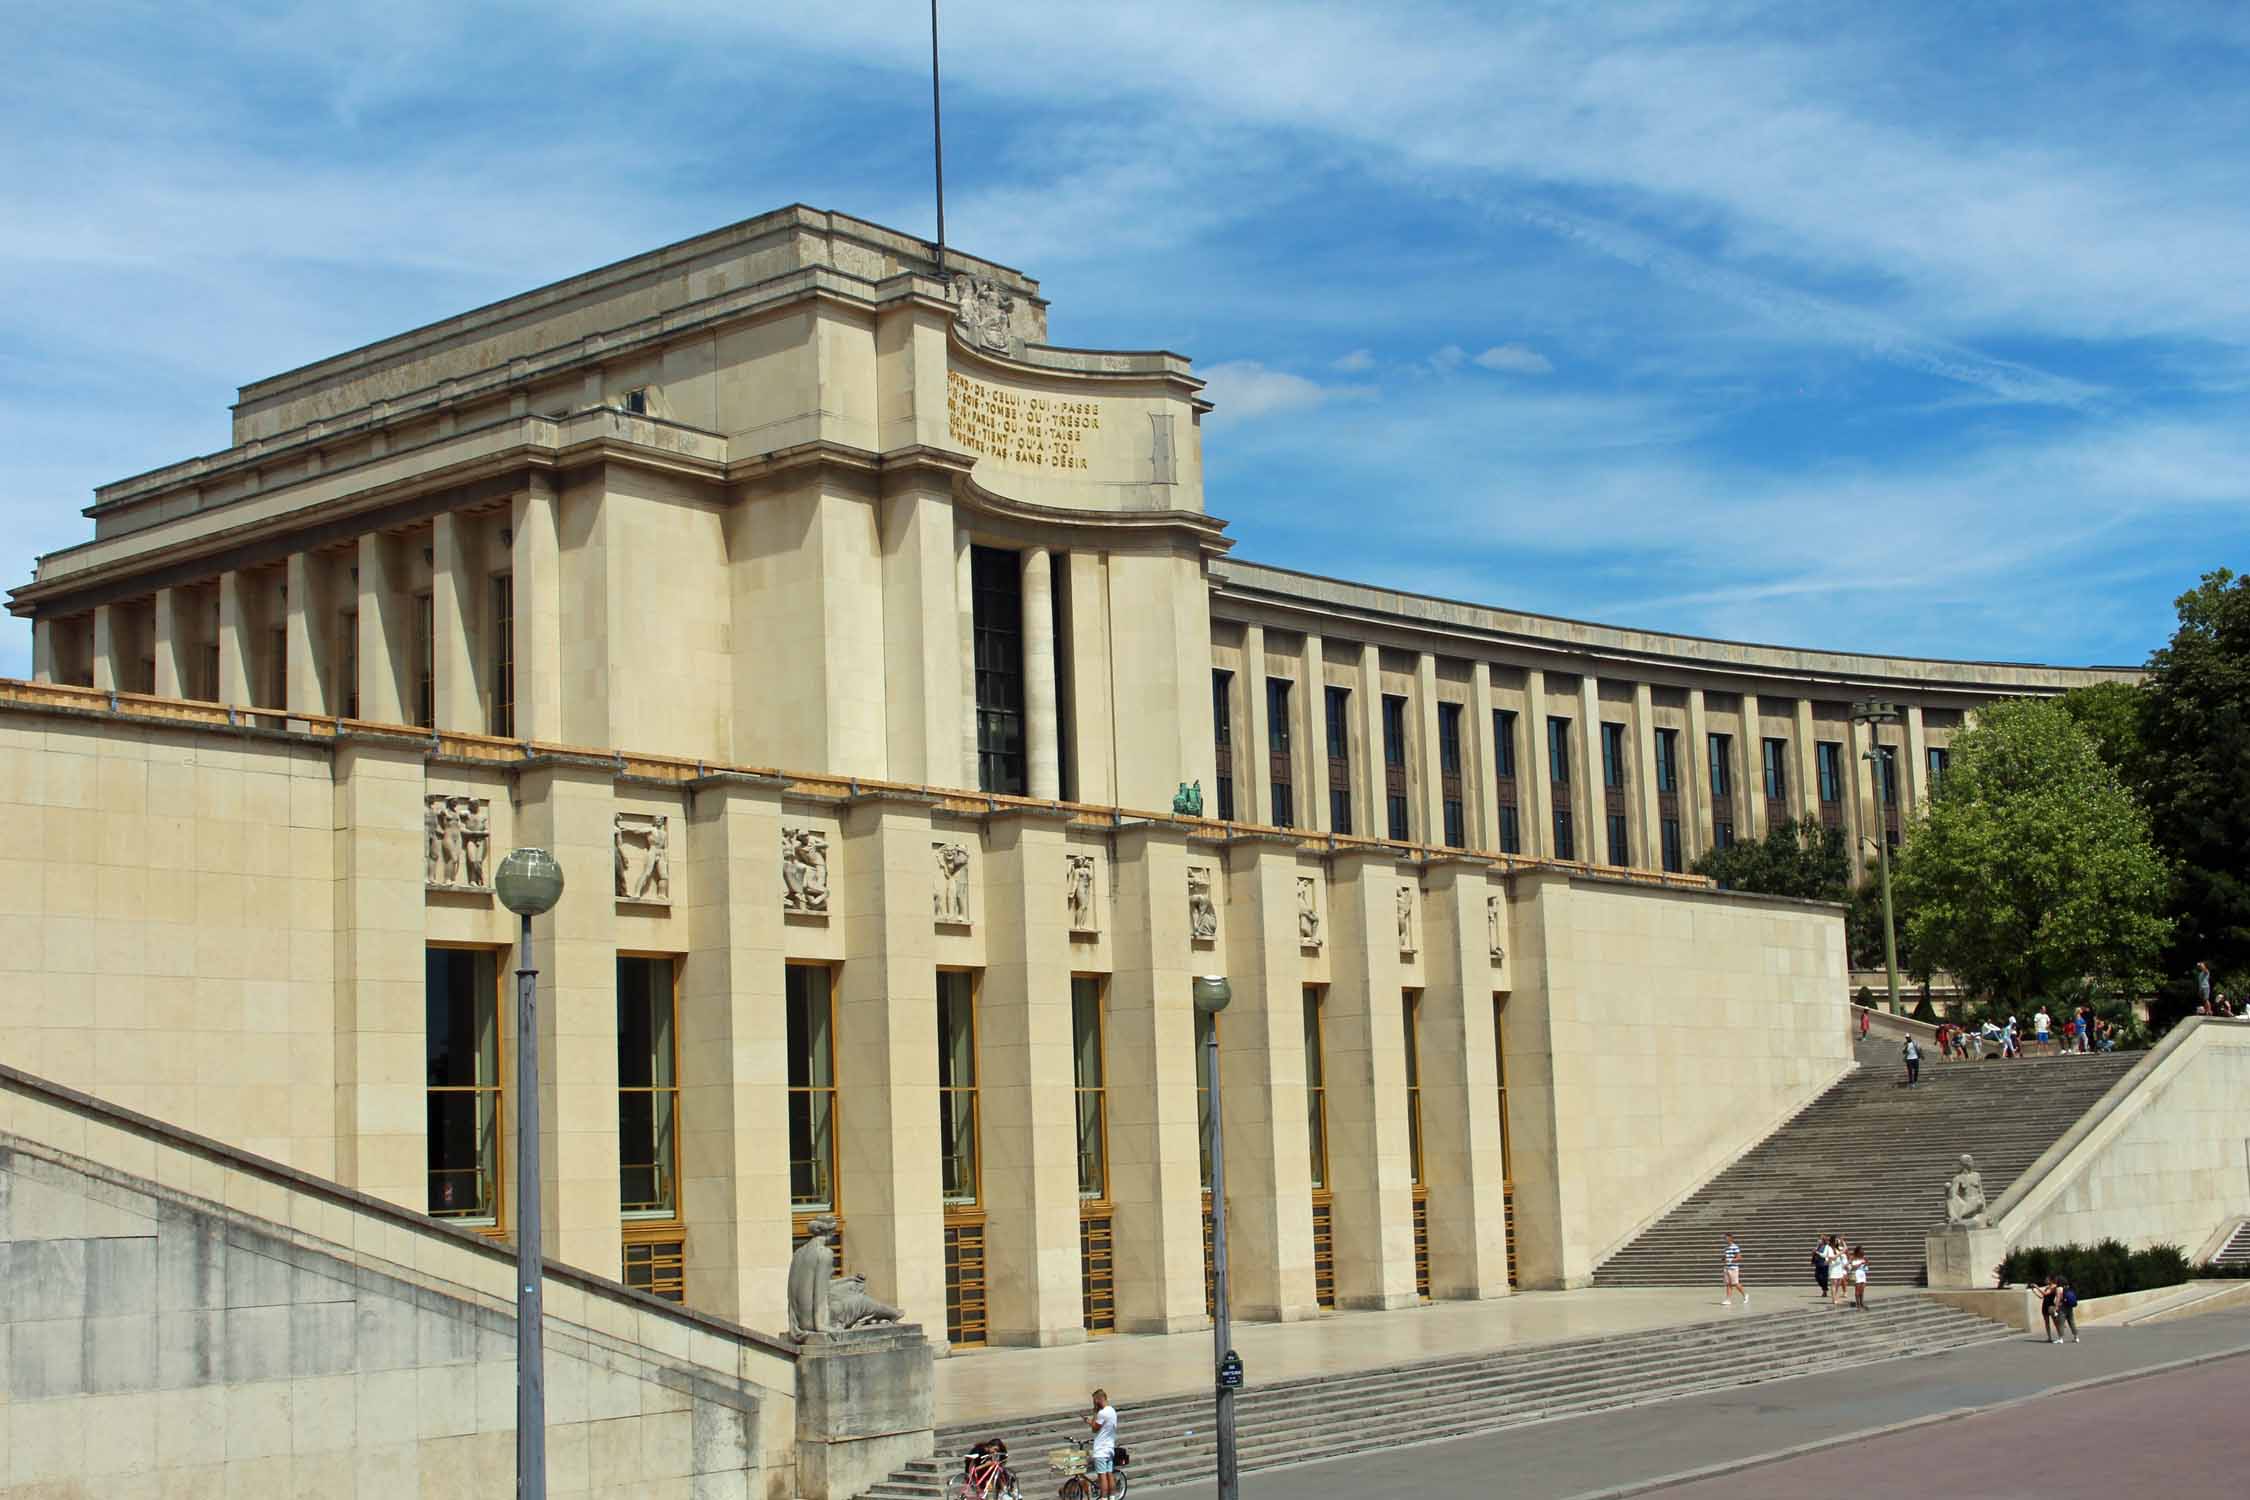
[820, 1301]
[849, 1306]
[1964, 1196]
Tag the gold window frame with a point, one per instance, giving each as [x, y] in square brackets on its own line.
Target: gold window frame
[503, 1028]
[659, 1220]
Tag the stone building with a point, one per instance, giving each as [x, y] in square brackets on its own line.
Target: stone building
[847, 643]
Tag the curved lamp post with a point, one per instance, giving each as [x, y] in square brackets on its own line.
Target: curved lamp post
[529, 883]
[1211, 996]
[1871, 712]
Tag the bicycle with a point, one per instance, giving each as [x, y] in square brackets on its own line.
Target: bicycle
[1071, 1460]
[985, 1475]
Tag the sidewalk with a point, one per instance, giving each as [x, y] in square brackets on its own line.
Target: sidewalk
[1014, 1382]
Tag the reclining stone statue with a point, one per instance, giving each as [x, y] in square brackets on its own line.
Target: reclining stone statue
[820, 1301]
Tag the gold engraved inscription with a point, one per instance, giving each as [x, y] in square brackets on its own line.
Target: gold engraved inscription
[1033, 430]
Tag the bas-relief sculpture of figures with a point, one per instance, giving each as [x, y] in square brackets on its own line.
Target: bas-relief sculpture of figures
[1964, 1197]
[985, 311]
[457, 840]
[804, 870]
[820, 1301]
[1405, 918]
[1079, 891]
[1203, 913]
[1308, 911]
[1187, 802]
[952, 895]
[644, 857]
[1492, 927]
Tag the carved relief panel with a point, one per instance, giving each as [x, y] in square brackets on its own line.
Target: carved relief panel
[804, 870]
[1495, 918]
[1203, 911]
[1406, 923]
[951, 899]
[644, 858]
[1078, 892]
[457, 843]
[1308, 911]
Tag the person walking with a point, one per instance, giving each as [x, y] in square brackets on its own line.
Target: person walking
[1820, 1257]
[1730, 1255]
[1839, 1272]
[2050, 1297]
[1913, 1063]
[1101, 1454]
[2066, 1309]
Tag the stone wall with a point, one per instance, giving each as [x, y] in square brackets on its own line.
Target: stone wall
[1653, 1036]
[182, 1319]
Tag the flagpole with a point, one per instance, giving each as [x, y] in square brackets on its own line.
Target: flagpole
[937, 142]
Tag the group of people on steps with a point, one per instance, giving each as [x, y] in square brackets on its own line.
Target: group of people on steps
[1840, 1271]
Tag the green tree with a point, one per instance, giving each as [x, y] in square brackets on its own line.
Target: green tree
[2110, 713]
[2194, 773]
[2034, 869]
[1803, 859]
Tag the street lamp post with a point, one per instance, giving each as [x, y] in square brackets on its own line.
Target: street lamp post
[529, 882]
[1871, 712]
[1211, 996]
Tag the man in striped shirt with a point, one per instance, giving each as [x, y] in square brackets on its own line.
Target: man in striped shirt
[1732, 1254]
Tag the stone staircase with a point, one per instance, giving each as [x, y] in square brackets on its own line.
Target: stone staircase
[1171, 1440]
[2236, 1251]
[1869, 1160]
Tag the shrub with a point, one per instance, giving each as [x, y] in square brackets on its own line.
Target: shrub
[2101, 1270]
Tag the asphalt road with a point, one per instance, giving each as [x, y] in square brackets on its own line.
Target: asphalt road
[2158, 1436]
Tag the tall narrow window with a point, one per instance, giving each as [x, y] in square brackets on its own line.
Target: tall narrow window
[347, 663]
[1449, 738]
[957, 1087]
[1411, 1008]
[996, 584]
[1667, 760]
[1829, 754]
[1886, 763]
[1504, 742]
[1558, 750]
[1451, 802]
[1511, 829]
[1339, 714]
[425, 661]
[1566, 846]
[1620, 850]
[1394, 765]
[1092, 1082]
[1316, 1090]
[648, 1088]
[1777, 769]
[277, 647]
[1941, 761]
[1722, 765]
[1507, 1144]
[1206, 1026]
[1670, 833]
[504, 655]
[810, 1003]
[461, 1047]
[1558, 775]
[1280, 773]
[1613, 755]
[1222, 737]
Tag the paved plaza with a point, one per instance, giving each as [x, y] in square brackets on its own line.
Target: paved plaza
[2030, 1419]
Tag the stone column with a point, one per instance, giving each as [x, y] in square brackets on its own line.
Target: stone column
[1533, 772]
[1587, 788]
[1042, 720]
[886, 1054]
[734, 1064]
[537, 567]
[1804, 797]
[921, 668]
[1484, 776]
[1754, 763]
[1253, 800]
[382, 1141]
[1155, 1173]
[171, 674]
[1027, 1094]
[1374, 804]
[1312, 749]
[386, 635]
[106, 671]
[1461, 1164]
[42, 649]
[1651, 817]
[310, 610]
[1262, 1073]
[964, 598]
[1093, 735]
[1916, 771]
[1365, 1035]
[1697, 776]
[456, 627]
[234, 642]
[1432, 800]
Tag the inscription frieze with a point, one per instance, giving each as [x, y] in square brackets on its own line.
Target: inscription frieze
[1035, 430]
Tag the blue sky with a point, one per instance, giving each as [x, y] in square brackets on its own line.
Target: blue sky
[1912, 327]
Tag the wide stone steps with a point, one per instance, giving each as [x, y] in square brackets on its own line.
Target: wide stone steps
[2236, 1251]
[1171, 1438]
[1869, 1160]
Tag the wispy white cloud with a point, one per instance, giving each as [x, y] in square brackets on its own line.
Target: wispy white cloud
[1516, 359]
[1246, 389]
[1354, 362]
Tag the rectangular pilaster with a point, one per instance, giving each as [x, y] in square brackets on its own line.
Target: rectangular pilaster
[1155, 1172]
[922, 681]
[1539, 836]
[107, 673]
[1262, 1077]
[1484, 775]
[171, 673]
[1026, 1089]
[386, 634]
[537, 567]
[734, 1057]
[1696, 754]
[1312, 745]
[307, 671]
[1461, 1162]
[42, 649]
[1649, 846]
[1586, 792]
[886, 1050]
[457, 613]
[1425, 718]
[1916, 771]
[1374, 805]
[1253, 769]
[234, 641]
[568, 808]
[1804, 797]
[1369, 1160]
[964, 600]
[1086, 635]
[1041, 712]
[1754, 763]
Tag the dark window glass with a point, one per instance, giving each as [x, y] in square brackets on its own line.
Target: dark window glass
[957, 1087]
[1724, 831]
[1504, 743]
[1394, 730]
[1449, 738]
[503, 655]
[1511, 830]
[1222, 708]
[1339, 701]
[1829, 756]
[1672, 860]
[1456, 825]
[1667, 760]
[810, 1021]
[461, 1053]
[1619, 852]
[1613, 756]
[996, 579]
[1224, 808]
[648, 1090]
[1397, 807]
[1940, 761]
[1277, 714]
[1722, 765]
[1093, 1086]
[1558, 749]
[1777, 769]
[1886, 762]
[1339, 810]
[1564, 848]
[1284, 805]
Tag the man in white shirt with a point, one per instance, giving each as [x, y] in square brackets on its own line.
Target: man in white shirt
[1102, 1452]
[2039, 1026]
